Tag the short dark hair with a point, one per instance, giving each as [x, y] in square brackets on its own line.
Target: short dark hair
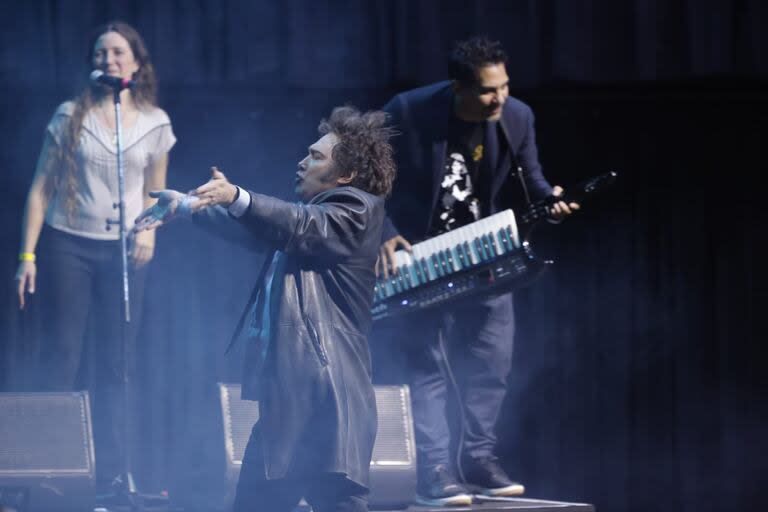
[470, 55]
[363, 149]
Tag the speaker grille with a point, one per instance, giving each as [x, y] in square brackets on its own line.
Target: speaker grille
[239, 418]
[393, 464]
[393, 439]
[45, 433]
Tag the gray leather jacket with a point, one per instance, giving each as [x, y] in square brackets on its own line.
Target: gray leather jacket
[313, 380]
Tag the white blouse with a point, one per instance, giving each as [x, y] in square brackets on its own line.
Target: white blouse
[150, 137]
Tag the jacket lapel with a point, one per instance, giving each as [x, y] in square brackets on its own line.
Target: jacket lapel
[439, 147]
[444, 105]
[500, 160]
[255, 293]
[505, 160]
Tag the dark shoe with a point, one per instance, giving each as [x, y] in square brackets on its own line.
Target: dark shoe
[438, 488]
[488, 477]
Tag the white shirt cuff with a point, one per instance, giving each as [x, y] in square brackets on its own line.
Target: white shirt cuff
[241, 204]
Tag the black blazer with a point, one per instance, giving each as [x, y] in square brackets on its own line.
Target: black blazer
[422, 116]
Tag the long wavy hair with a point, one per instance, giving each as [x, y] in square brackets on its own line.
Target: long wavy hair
[143, 94]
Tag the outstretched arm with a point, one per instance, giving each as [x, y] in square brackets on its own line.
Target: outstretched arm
[207, 202]
[170, 203]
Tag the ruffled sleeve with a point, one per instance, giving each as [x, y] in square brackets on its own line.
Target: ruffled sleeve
[161, 134]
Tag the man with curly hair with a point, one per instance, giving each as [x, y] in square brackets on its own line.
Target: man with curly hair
[305, 325]
[467, 151]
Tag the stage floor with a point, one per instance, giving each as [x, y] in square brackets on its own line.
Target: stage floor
[516, 504]
[507, 504]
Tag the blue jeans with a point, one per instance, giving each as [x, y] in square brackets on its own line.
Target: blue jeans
[477, 337]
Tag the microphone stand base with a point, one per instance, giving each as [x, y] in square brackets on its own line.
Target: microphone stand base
[126, 498]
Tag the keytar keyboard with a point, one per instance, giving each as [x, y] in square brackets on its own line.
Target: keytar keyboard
[485, 257]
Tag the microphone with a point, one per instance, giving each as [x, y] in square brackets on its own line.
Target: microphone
[99, 77]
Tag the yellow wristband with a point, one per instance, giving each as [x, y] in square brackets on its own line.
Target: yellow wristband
[27, 256]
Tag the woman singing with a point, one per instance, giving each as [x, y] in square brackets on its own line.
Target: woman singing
[69, 251]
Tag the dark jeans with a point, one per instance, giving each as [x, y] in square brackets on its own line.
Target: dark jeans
[326, 492]
[80, 287]
[477, 338]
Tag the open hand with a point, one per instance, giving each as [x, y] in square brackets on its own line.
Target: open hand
[162, 212]
[217, 191]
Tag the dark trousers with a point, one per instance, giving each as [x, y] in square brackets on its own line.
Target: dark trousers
[80, 287]
[474, 341]
[326, 492]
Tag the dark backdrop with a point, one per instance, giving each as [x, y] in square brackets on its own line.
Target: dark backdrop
[637, 382]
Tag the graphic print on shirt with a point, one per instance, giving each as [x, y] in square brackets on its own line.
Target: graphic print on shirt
[458, 205]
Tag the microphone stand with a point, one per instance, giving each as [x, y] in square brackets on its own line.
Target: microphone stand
[126, 494]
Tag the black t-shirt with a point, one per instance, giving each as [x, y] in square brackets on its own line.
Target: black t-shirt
[458, 200]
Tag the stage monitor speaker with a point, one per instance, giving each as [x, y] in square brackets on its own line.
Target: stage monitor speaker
[393, 465]
[238, 417]
[46, 452]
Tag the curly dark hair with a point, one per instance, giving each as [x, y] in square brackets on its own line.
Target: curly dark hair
[470, 55]
[363, 150]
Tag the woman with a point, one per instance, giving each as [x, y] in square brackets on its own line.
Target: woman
[72, 197]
